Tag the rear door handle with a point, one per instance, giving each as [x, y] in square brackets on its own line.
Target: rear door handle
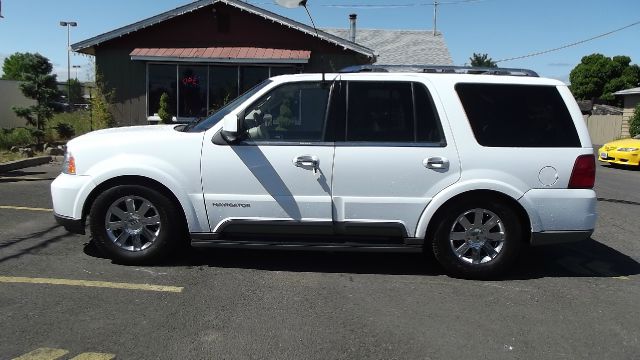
[437, 162]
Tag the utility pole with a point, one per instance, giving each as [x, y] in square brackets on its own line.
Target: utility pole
[435, 16]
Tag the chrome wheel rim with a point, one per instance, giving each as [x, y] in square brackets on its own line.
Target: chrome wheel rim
[477, 236]
[132, 223]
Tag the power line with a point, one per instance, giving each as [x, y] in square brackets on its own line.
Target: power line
[568, 45]
[387, 6]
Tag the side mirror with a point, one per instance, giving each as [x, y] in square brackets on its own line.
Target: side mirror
[230, 128]
[230, 123]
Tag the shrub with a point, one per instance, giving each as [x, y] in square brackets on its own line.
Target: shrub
[16, 137]
[634, 122]
[65, 131]
[163, 112]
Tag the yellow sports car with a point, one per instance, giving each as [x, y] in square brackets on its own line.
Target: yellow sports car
[622, 152]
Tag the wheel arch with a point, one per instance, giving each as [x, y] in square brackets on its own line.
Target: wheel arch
[484, 193]
[135, 180]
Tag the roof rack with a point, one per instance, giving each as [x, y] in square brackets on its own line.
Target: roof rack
[438, 69]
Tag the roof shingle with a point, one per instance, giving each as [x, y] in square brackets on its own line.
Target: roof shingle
[402, 47]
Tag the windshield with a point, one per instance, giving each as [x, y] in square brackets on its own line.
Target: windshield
[218, 115]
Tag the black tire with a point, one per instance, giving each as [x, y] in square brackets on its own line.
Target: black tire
[128, 250]
[467, 265]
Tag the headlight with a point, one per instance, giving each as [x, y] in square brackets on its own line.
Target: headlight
[628, 149]
[69, 164]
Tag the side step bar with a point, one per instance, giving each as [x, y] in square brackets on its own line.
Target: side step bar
[201, 241]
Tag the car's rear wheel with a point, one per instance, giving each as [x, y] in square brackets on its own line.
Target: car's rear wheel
[133, 224]
[478, 238]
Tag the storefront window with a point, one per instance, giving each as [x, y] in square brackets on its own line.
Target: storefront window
[192, 101]
[162, 79]
[196, 90]
[223, 85]
[250, 76]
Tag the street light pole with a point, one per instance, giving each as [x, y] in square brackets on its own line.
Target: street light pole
[68, 24]
[76, 67]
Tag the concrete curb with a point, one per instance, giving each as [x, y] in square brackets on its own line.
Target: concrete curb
[20, 164]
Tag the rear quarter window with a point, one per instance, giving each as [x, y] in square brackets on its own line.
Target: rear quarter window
[505, 115]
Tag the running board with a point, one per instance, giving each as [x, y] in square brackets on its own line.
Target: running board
[198, 242]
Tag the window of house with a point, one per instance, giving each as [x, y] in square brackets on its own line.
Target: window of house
[293, 112]
[250, 76]
[391, 112]
[192, 102]
[505, 115]
[223, 86]
[196, 91]
[162, 79]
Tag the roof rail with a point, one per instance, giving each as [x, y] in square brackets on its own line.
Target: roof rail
[438, 69]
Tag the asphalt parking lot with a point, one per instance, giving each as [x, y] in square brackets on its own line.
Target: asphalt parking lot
[59, 299]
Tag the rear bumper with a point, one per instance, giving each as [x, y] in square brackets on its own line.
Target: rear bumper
[558, 237]
[76, 226]
[556, 211]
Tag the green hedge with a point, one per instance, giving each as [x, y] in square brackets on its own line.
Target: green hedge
[15, 137]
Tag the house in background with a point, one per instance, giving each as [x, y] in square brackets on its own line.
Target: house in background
[631, 100]
[207, 52]
[399, 47]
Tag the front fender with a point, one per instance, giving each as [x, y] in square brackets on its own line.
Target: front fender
[183, 183]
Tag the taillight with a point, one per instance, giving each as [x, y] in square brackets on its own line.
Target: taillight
[583, 175]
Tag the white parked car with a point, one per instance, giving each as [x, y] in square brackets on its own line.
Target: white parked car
[473, 165]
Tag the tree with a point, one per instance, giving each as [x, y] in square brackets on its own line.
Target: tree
[634, 122]
[76, 92]
[101, 99]
[163, 112]
[482, 60]
[17, 65]
[38, 84]
[598, 77]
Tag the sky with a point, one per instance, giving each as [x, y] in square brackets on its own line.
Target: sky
[501, 28]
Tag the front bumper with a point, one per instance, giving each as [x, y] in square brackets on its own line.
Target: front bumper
[619, 157]
[76, 226]
[68, 194]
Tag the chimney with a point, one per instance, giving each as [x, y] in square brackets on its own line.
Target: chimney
[352, 29]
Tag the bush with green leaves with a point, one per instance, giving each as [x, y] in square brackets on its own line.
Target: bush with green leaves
[15, 137]
[634, 122]
[163, 112]
[65, 130]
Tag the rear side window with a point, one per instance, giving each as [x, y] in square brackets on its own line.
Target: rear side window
[504, 115]
[399, 112]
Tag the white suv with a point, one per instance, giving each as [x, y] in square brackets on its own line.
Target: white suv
[472, 164]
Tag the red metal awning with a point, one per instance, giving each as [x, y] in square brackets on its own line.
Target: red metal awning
[223, 55]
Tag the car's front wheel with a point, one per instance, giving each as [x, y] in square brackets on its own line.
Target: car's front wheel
[478, 238]
[133, 224]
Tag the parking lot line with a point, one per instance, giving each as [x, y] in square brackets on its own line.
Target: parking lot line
[94, 356]
[9, 207]
[43, 354]
[89, 283]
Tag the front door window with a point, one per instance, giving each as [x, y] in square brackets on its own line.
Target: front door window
[293, 112]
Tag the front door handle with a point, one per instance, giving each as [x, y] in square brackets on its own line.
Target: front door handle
[437, 163]
[307, 161]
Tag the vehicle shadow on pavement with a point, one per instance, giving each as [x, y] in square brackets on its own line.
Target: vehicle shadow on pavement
[300, 261]
[588, 258]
